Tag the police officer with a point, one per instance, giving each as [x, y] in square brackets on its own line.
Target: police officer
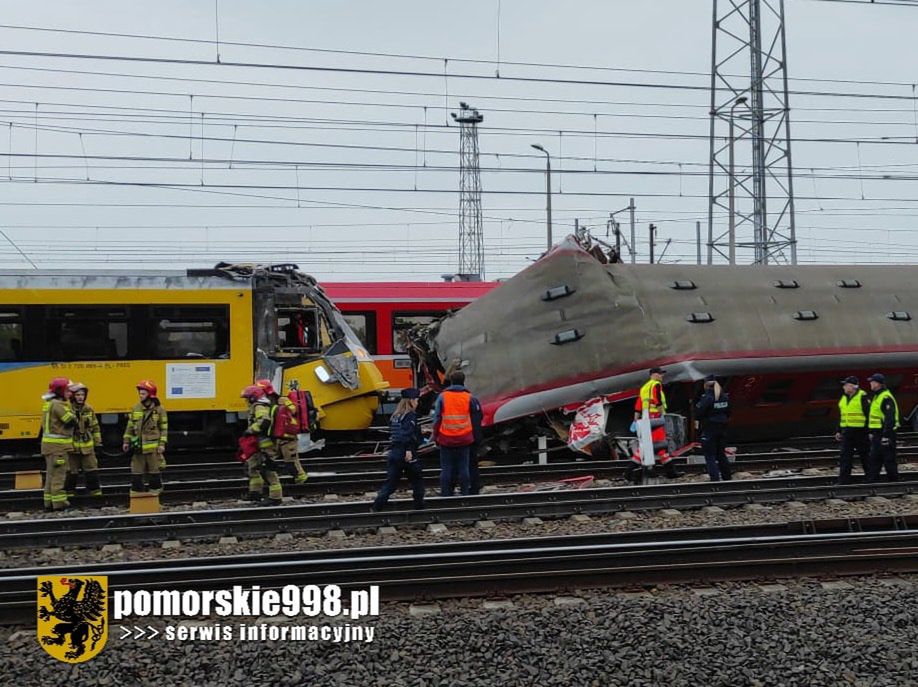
[713, 411]
[261, 466]
[87, 440]
[57, 425]
[146, 434]
[403, 459]
[882, 423]
[853, 409]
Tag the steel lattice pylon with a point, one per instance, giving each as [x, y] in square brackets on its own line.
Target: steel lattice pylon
[750, 161]
[471, 235]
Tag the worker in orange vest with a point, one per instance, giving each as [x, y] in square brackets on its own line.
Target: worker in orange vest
[454, 433]
[652, 396]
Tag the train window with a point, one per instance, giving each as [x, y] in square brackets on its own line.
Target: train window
[86, 333]
[10, 336]
[827, 389]
[777, 391]
[190, 332]
[364, 326]
[297, 329]
[402, 322]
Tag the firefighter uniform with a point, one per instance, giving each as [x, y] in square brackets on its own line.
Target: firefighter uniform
[87, 439]
[882, 423]
[853, 410]
[286, 445]
[56, 444]
[713, 411]
[147, 433]
[261, 466]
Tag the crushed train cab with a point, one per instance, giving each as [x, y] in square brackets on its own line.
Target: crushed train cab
[201, 334]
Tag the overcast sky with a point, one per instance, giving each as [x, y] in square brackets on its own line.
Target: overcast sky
[353, 175]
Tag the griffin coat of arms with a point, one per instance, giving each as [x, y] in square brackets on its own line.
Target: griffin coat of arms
[72, 616]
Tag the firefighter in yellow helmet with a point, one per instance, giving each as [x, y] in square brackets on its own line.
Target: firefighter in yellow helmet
[285, 426]
[261, 465]
[146, 435]
[87, 440]
[57, 424]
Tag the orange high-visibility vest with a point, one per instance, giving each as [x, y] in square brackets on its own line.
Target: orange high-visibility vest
[456, 420]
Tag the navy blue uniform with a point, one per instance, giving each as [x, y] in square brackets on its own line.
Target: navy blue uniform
[406, 436]
[714, 415]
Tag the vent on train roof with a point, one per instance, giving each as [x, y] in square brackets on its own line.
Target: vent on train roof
[848, 283]
[686, 285]
[700, 317]
[786, 284]
[567, 336]
[899, 315]
[557, 292]
[806, 315]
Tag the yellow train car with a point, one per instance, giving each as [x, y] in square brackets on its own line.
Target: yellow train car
[201, 335]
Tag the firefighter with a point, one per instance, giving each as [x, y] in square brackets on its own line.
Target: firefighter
[652, 398]
[261, 464]
[853, 409]
[146, 436]
[286, 426]
[453, 432]
[882, 423]
[87, 441]
[403, 459]
[57, 425]
[713, 411]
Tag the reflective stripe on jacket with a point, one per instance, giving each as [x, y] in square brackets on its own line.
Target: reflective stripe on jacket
[877, 417]
[87, 434]
[651, 396]
[261, 416]
[57, 424]
[851, 410]
[149, 425]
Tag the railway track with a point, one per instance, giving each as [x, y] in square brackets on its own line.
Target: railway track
[353, 516]
[523, 565]
[189, 486]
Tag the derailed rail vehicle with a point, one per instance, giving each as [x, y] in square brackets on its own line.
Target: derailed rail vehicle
[573, 327]
[202, 335]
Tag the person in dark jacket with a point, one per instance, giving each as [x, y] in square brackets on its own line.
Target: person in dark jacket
[853, 409]
[454, 433]
[882, 423]
[403, 457]
[713, 411]
[474, 474]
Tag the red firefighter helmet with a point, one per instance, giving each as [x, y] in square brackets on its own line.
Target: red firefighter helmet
[58, 385]
[266, 385]
[252, 392]
[147, 386]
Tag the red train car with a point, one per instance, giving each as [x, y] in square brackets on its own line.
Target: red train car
[378, 311]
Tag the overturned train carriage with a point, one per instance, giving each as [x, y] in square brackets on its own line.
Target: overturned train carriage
[569, 328]
[202, 335]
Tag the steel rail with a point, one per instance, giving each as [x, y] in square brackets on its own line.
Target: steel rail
[355, 516]
[508, 566]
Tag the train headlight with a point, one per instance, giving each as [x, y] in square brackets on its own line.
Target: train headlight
[322, 374]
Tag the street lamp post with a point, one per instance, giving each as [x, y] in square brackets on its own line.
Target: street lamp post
[732, 215]
[547, 189]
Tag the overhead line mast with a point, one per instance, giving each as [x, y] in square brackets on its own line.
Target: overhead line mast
[471, 233]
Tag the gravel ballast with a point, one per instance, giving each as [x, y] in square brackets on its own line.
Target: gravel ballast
[799, 633]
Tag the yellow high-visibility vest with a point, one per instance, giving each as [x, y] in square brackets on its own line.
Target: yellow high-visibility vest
[647, 398]
[851, 410]
[876, 414]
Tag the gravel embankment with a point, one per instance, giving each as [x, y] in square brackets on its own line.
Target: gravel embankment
[419, 535]
[859, 633]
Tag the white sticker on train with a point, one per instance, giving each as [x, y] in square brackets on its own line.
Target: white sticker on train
[191, 380]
